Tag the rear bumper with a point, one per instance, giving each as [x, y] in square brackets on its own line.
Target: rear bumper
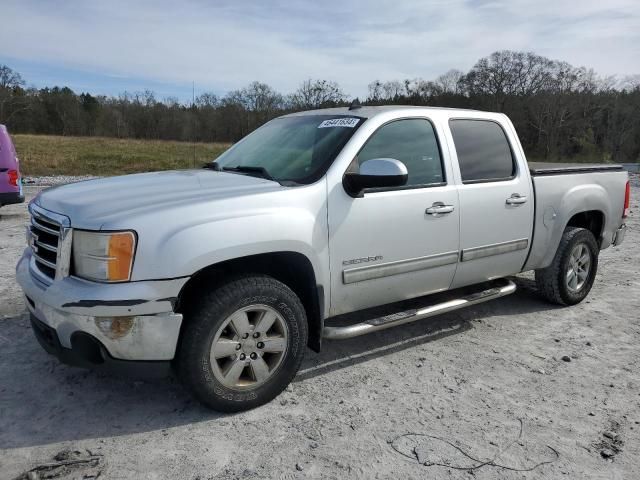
[618, 236]
[9, 198]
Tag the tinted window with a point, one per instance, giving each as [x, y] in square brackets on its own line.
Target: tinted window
[483, 150]
[414, 143]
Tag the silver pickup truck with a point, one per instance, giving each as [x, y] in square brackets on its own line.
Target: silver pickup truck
[297, 233]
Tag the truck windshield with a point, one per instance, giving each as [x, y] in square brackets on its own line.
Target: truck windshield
[294, 150]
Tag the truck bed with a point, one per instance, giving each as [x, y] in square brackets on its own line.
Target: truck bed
[549, 168]
[561, 189]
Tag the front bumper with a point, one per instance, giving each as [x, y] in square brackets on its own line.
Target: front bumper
[131, 321]
[618, 236]
[88, 352]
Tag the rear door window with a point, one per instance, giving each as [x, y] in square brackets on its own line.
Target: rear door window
[484, 153]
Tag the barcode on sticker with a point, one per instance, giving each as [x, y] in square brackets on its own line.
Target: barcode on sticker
[340, 122]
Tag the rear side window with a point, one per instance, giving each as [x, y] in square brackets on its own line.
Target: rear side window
[484, 153]
[414, 143]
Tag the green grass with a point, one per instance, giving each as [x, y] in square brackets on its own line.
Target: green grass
[54, 155]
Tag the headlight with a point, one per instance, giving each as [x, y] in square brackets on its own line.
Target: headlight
[103, 256]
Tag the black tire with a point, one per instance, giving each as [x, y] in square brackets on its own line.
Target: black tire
[205, 319]
[551, 281]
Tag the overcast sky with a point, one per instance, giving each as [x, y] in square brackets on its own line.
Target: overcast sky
[110, 46]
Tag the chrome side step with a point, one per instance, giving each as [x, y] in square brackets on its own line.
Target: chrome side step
[400, 318]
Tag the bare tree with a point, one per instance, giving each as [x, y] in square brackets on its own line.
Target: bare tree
[10, 102]
[260, 97]
[420, 91]
[250, 107]
[507, 73]
[9, 78]
[449, 82]
[317, 94]
[375, 91]
[390, 91]
[207, 100]
[629, 83]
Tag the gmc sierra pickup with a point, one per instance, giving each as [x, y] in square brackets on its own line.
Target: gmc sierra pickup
[228, 273]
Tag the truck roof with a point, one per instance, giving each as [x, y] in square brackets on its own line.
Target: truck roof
[369, 112]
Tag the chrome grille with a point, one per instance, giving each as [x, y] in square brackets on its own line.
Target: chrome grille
[45, 239]
[50, 243]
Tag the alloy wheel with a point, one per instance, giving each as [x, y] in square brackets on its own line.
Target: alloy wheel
[578, 268]
[249, 347]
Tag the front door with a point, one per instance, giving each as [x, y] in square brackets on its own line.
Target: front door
[396, 243]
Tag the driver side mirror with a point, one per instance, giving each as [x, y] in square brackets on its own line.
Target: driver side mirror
[376, 173]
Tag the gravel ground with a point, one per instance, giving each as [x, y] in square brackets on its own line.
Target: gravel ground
[467, 381]
[49, 180]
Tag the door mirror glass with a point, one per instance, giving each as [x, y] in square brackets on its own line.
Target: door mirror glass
[376, 173]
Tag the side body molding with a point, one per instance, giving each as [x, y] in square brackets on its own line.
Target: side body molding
[494, 249]
[360, 274]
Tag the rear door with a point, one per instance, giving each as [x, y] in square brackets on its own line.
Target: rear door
[496, 200]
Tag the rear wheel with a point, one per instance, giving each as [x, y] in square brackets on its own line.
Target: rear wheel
[570, 276]
[243, 343]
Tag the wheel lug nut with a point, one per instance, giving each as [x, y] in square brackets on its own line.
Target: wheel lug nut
[242, 356]
[254, 356]
[260, 345]
[238, 347]
[246, 335]
[256, 334]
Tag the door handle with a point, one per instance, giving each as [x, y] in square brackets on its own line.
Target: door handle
[516, 199]
[438, 208]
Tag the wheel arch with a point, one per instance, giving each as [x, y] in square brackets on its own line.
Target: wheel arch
[592, 220]
[293, 269]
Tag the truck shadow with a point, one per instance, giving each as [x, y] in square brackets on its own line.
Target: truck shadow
[341, 354]
[44, 402]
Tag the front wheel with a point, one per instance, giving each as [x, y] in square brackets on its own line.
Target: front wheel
[570, 276]
[243, 343]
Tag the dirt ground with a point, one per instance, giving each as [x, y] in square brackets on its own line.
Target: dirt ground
[463, 384]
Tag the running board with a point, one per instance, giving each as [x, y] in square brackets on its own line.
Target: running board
[408, 316]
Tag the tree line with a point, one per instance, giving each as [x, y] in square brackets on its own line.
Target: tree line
[559, 110]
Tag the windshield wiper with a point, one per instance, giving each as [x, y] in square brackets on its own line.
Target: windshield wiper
[212, 166]
[255, 171]
[260, 171]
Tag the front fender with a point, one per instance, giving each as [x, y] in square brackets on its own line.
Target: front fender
[195, 247]
[182, 241]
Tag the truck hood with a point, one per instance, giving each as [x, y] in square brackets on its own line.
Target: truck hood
[91, 204]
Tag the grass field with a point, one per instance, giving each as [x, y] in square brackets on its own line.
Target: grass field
[54, 155]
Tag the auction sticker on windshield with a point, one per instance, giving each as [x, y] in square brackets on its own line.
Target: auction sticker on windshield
[340, 122]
